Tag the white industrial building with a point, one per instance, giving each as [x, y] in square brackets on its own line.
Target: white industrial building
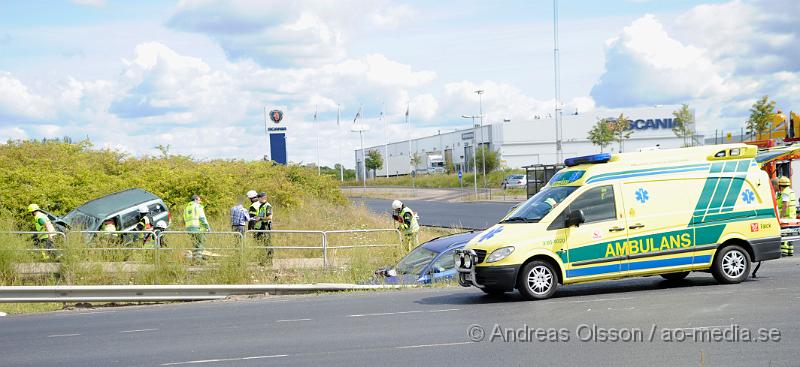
[524, 143]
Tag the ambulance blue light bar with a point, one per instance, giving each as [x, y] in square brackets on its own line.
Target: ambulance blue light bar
[590, 159]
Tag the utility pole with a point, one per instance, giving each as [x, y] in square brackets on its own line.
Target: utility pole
[557, 72]
[360, 129]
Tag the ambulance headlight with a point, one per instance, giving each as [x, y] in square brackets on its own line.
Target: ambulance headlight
[467, 261]
[500, 254]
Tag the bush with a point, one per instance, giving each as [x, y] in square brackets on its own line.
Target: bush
[60, 176]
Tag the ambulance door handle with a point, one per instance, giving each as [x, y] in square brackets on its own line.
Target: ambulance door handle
[616, 229]
[636, 226]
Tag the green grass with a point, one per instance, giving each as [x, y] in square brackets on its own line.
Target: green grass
[493, 180]
[101, 263]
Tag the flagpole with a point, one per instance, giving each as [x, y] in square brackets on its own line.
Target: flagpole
[411, 167]
[386, 147]
[319, 168]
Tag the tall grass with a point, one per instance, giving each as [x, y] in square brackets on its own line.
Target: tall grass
[101, 261]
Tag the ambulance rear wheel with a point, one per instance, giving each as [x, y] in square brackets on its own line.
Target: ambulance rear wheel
[537, 280]
[731, 265]
[675, 276]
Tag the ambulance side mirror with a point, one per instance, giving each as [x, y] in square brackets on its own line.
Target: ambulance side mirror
[575, 218]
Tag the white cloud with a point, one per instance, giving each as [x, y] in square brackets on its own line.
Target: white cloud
[12, 133]
[158, 81]
[503, 101]
[280, 33]
[645, 66]
[18, 103]
[89, 2]
[752, 37]
[719, 58]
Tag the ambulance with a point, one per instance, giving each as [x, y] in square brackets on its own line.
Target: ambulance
[660, 212]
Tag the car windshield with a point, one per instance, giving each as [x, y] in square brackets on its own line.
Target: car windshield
[80, 221]
[539, 205]
[415, 261]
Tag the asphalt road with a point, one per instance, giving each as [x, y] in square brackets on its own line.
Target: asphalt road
[469, 215]
[429, 327]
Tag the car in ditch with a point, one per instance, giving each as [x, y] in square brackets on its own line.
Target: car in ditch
[119, 207]
[430, 262]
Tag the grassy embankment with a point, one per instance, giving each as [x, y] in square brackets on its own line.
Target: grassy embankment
[61, 176]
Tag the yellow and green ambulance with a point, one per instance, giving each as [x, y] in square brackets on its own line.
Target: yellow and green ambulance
[660, 212]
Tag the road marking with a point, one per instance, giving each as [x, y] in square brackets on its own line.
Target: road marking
[61, 335]
[292, 320]
[431, 345]
[404, 312]
[92, 312]
[601, 300]
[224, 360]
[137, 331]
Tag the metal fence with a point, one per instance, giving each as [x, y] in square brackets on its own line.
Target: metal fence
[239, 243]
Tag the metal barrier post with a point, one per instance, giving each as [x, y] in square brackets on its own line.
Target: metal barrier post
[325, 250]
[322, 247]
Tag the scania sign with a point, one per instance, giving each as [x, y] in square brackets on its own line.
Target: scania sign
[650, 124]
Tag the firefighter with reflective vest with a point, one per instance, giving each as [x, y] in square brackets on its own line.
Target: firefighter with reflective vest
[144, 223]
[252, 211]
[264, 223]
[787, 209]
[194, 217]
[407, 223]
[44, 227]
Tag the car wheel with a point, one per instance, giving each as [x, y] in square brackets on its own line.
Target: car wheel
[731, 265]
[537, 280]
[675, 276]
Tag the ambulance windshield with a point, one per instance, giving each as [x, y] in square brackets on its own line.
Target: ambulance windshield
[539, 205]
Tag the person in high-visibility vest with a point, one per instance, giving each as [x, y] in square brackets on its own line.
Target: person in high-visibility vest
[44, 227]
[252, 211]
[194, 218]
[264, 223]
[407, 223]
[787, 209]
[144, 223]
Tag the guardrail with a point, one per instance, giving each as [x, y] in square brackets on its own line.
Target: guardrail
[128, 241]
[40, 249]
[157, 293]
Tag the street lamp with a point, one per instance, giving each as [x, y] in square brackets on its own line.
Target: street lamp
[479, 92]
[474, 153]
[360, 129]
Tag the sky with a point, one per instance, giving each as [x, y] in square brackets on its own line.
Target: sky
[197, 75]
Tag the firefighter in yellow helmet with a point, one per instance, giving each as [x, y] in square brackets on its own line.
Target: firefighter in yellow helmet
[407, 223]
[44, 227]
[787, 209]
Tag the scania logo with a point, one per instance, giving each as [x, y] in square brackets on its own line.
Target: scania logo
[276, 116]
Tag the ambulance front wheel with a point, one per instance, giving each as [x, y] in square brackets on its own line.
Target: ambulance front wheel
[537, 280]
[731, 265]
